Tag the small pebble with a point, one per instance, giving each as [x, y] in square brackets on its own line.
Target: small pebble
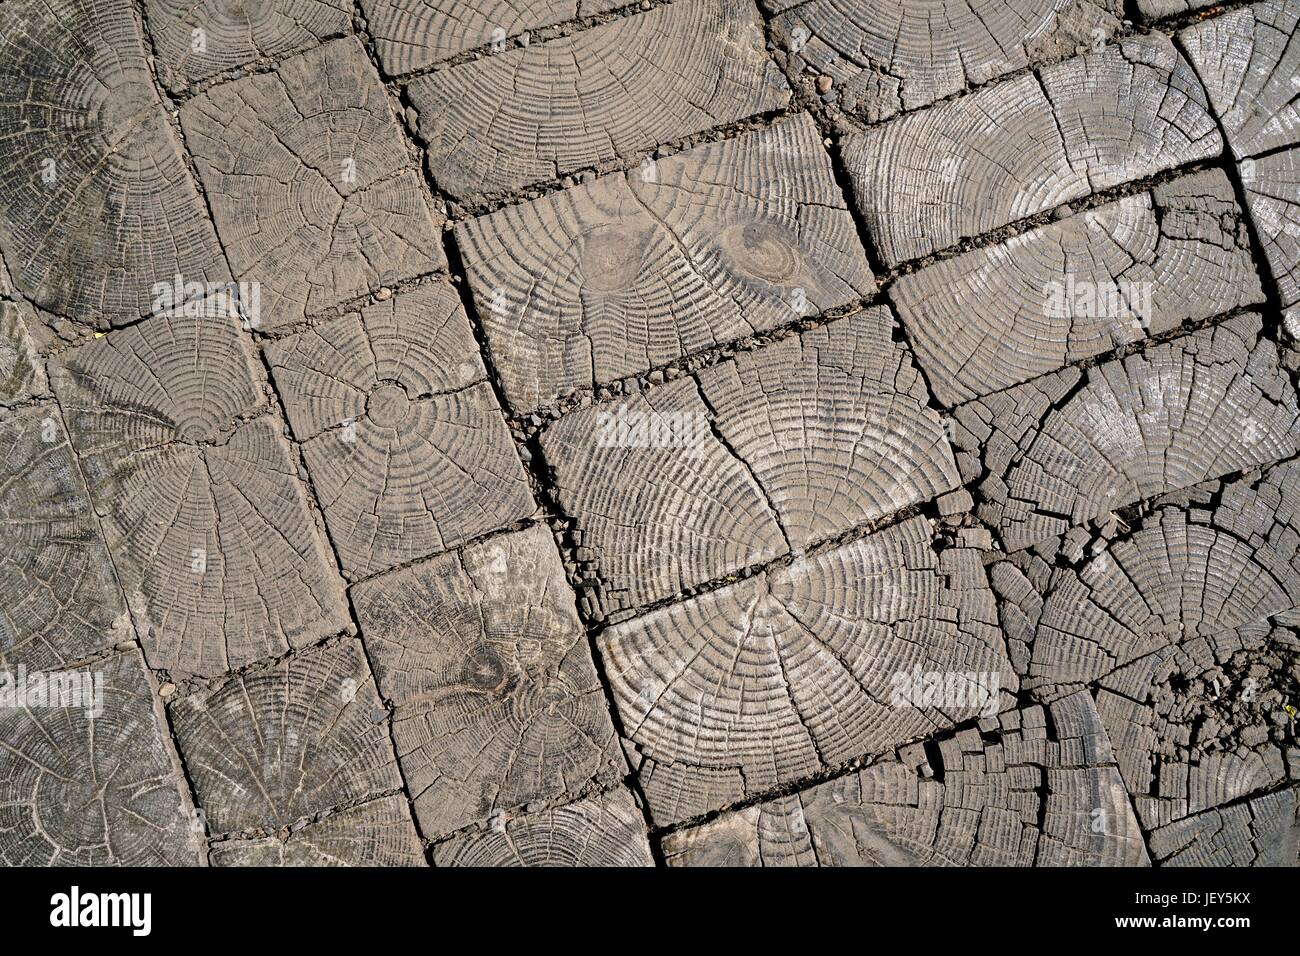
[384, 294]
[166, 690]
[824, 84]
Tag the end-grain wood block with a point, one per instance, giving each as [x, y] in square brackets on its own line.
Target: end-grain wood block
[1264, 831]
[532, 114]
[1020, 792]
[601, 831]
[772, 450]
[497, 702]
[1249, 61]
[1004, 314]
[272, 745]
[1075, 445]
[1196, 726]
[402, 434]
[1273, 196]
[885, 58]
[378, 833]
[1089, 603]
[98, 205]
[800, 670]
[59, 598]
[926, 181]
[197, 39]
[204, 513]
[634, 270]
[413, 34]
[313, 191]
[77, 790]
[661, 504]
[834, 426]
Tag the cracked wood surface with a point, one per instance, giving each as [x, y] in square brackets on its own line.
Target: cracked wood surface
[197, 39]
[1272, 187]
[400, 430]
[623, 87]
[102, 792]
[793, 672]
[313, 190]
[886, 58]
[604, 831]
[1077, 444]
[771, 451]
[496, 700]
[926, 181]
[98, 205]
[270, 746]
[378, 833]
[716, 431]
[1143, 265]
[1249, 60]
[632, 271]
[1264, 831]
[201, 505]
[59, 597]
[1196, 567]
[413, 34]
[1033, 786]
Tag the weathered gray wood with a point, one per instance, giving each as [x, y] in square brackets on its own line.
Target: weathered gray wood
[1193, 569]
[59, 599]
[1004, 314]
[77, 791]
[22, 371]
[497, 703]
[796, 671]
[834, 425]
[1248, 60]
[313, 191]
[656, 518]
[419, 339]
[1260, 832]
[888, 57]
[413, 34]
[1077, 444]
[403, 437]
[1156, 9]
[1019, 792]
[1201, 724]
[272, 745]
[1273, 195]
[632, 271]
[926, 181]
[532, 114]
[604, 831]
[196, 39]
[204, 513]
[378, 833]
[98, 205]
[775, 449]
